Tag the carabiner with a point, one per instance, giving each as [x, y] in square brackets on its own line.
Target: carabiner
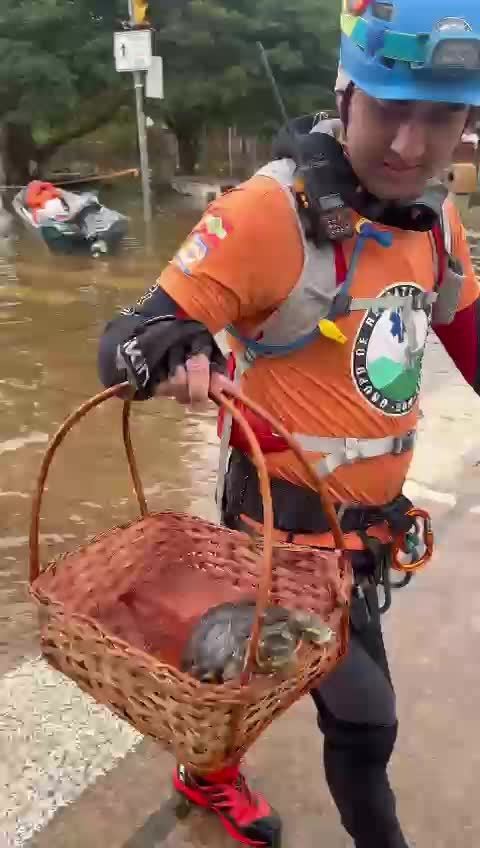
[399, 543]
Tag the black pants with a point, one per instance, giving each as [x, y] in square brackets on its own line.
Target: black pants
[356, 713]
[356, 703]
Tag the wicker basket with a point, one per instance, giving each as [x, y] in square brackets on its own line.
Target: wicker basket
[116, 613]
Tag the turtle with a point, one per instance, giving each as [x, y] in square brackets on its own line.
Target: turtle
[216, 649]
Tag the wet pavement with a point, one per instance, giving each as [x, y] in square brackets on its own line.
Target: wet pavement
[71, 773]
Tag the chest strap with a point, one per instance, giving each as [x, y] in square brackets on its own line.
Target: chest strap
[345, 451]
[417, 302]
[343, 304]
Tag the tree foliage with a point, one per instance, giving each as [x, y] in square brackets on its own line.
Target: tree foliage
[213, 68]
[58, 81]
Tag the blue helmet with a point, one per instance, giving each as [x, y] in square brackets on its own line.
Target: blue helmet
[413, 49]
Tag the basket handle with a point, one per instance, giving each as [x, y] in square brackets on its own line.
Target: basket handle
[55, 442]
[222, 390]
[222, 387]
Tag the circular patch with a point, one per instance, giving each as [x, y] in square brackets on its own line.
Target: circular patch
[388, 354]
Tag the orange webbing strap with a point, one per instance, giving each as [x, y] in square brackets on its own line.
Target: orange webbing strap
[354, 541]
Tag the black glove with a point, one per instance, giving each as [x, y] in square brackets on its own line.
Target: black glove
[152, 356]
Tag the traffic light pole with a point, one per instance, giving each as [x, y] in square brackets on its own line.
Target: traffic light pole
[138, 83]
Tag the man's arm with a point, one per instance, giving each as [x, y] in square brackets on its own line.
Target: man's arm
[150, 346]
[238, 264]
[461, 338]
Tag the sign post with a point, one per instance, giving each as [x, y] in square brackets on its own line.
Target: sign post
[133, 53]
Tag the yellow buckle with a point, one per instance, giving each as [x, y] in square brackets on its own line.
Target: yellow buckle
[330, 330]
[360, 223]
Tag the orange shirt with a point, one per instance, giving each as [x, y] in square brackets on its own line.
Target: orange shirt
[242, 261]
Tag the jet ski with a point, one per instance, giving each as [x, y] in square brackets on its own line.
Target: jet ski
[70, 223]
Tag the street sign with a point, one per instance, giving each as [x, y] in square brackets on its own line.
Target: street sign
[154, 83]
[133, 50]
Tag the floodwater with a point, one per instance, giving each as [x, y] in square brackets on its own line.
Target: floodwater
[52, 312]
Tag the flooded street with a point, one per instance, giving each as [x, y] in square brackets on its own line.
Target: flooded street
[73, 774]
[52, 312]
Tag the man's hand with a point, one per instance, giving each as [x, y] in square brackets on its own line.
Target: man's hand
[189, 383]
[172, 358]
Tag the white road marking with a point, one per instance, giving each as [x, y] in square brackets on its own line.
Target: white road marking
[55, 741]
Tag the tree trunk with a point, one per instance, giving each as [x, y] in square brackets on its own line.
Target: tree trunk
[21, 155]
[188, 150]
[3, 158]
[6, 220]
[23, 158]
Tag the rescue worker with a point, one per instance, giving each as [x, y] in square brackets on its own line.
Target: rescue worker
[328, 326]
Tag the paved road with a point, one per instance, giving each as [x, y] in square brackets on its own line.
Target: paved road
[73, 776]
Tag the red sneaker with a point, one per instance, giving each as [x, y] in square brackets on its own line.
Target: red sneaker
[246, 816]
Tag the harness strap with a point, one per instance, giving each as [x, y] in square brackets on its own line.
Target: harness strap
[345, 451]
[298, 509]
[344, 305]
[223, 463]
[255, 348]
[225, 426]
[440, 253]
[341, 268]
[365, 231]
[442, 244]
[392, 301]
[354, 541]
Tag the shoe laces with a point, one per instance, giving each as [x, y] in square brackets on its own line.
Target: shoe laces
[235, 795]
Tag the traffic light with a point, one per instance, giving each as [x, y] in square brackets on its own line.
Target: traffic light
[140, 12]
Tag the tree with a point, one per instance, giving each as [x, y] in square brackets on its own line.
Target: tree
[213, 70]
[57, 78]
[58, 81]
